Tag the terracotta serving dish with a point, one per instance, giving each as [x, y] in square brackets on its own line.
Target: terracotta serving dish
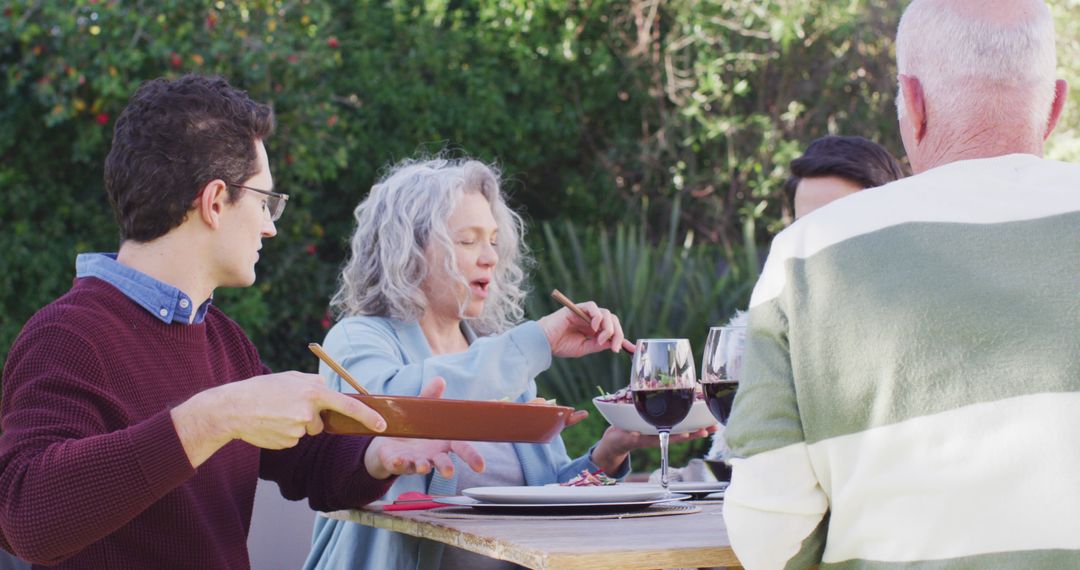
[462, 420]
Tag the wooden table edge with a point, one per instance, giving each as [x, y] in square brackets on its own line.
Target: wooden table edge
[531, 557]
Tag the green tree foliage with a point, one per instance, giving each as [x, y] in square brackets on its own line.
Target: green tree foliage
[1064, 144]
[736, 90]
[69, 69]
[675, 116]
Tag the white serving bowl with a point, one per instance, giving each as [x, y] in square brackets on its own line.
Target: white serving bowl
[625, 416]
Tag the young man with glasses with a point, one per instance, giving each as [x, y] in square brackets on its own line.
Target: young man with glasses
[274, 206]
[136, 417]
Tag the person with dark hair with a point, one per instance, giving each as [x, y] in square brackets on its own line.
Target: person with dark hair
[136, 416]
[831, 168]
[835, 166]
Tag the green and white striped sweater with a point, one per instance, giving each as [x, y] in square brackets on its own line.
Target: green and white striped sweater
[912, 390]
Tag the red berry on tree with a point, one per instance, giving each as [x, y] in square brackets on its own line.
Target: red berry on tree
[333, 42]
[102, 119]
[176, 60]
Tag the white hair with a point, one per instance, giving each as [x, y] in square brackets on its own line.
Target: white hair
[972, 65]
[404, 214]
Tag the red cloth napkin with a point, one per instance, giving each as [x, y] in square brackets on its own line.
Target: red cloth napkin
[413, 501]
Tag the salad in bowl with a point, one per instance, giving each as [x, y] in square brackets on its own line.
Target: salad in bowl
[618, 409]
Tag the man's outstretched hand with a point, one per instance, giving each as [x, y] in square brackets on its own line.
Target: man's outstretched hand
[388, 456]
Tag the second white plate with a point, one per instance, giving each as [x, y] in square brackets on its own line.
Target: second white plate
[696, 489]
[563, 495]
[556, 508]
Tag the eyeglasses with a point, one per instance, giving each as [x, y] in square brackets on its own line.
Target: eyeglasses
[274, 206]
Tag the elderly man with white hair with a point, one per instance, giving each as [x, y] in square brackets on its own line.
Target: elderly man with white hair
[912, 391]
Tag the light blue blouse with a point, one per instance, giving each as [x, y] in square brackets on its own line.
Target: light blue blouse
[389, 356]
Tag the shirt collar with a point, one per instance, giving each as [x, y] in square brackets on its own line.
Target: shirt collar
[167, 303]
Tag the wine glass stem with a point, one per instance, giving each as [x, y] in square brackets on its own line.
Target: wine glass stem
[663, 459]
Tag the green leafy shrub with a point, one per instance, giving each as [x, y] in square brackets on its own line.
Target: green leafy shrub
[69, 69]
[612, 111]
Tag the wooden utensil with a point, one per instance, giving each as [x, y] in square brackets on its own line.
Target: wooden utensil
[318, 350]
[566, 302]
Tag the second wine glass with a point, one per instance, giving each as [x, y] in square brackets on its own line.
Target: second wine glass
[721, 368]
[662, 381]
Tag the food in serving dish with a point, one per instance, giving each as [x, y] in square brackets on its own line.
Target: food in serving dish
[626, 396]
[587, 479]
[537, 401]
[620, 396]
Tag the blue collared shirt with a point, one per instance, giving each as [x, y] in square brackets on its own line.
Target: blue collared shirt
[166, 302]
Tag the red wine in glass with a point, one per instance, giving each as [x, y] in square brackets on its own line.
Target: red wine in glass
[662, 380]
[721, 369]
[719, 396]
[664, 408]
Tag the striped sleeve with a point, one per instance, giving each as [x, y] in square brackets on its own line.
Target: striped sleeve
[911, 384]
[775, 508]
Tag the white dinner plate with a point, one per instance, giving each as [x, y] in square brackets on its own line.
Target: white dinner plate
[555, 508]
[552, 494]
[696, 489]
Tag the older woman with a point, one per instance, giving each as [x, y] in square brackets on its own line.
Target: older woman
[434, 287]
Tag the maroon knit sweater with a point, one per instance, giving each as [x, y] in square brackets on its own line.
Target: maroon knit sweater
[92, 473]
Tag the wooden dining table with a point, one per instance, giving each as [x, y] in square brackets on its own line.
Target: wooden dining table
[696, 540]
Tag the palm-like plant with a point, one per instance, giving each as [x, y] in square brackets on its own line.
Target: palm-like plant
[657, 289]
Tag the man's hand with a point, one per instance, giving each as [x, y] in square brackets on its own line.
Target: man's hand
[271, 412]
[388, 456]
[570, 336]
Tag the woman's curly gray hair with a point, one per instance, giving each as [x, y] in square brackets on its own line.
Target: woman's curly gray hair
[407, 211]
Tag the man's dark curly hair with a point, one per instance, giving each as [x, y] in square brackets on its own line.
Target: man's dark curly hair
[173, 138]
[857, 159]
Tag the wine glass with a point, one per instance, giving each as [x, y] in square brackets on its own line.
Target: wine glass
[662, 381]
[721, 368]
